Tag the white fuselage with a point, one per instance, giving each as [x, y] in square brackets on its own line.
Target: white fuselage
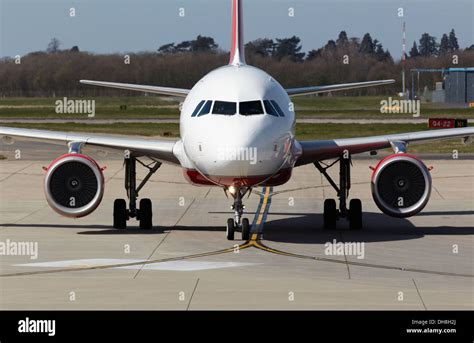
[236, 149]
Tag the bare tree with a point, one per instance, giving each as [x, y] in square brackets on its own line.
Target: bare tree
[53, 46]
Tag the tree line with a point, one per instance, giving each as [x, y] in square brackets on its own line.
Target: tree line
[56, 72]
[428, 46]
[281, 48]
[291, 47]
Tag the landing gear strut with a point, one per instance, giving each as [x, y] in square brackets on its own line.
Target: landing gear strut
[331, 213]
[237, 222]
[144, 213]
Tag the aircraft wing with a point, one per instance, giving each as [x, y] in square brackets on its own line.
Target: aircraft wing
[180, 92]
[161, 150]
[318, 150]
[333, 88]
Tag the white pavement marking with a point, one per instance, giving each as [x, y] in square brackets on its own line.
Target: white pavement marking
[184, 266]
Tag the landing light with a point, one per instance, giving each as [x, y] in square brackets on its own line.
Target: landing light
[232, 190]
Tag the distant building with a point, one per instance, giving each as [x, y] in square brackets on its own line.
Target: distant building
[459, 85]
[439, 94]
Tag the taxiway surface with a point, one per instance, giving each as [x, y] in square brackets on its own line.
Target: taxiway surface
[185, 262]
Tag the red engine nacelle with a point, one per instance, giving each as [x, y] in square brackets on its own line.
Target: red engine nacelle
[401, 185]
[74, 185]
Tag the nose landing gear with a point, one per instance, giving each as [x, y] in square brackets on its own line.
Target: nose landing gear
[237, 223]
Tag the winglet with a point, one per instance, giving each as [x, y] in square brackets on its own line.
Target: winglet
[237, 49]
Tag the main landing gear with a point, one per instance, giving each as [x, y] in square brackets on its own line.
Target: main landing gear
[237, 223]
[331, 213]
[144, 212]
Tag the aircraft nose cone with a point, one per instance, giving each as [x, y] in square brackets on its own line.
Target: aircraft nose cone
[240, 155]
[239, 160]
[230, 156]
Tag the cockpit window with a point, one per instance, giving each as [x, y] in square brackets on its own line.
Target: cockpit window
[278, 108]
[198, 107]
[246, 108]
[225, 108]
[249, 108]
[206, 108]
[270, 109]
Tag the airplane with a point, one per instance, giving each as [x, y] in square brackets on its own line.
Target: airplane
[237, 132]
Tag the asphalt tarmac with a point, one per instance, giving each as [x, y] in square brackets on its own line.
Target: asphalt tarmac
[185, 262]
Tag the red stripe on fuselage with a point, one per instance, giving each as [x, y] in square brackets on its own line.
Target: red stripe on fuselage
[234, 39]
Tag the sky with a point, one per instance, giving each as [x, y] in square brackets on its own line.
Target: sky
[122, 26]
